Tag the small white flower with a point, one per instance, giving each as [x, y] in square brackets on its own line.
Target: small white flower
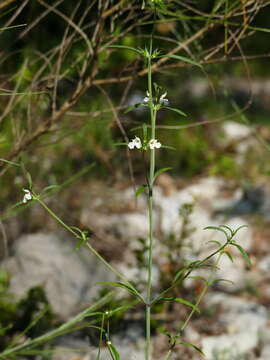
[135, 143]
[163, 100]
[153, 143]
[146, 99]
[27, 196]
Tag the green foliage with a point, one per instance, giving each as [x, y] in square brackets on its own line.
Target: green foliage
[31, 316]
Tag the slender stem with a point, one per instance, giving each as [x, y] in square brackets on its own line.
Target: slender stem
[150, 210]
[89, 246]
[201, 296]
[100, 337]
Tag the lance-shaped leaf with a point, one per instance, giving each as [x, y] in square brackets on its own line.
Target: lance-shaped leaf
[217, 229]
[161, 171]
[243, 253]
[113, 352]
[183, 58]
[10, 162]
[225, 252]
[192, 346]
[141, 189]
[181, 301]
[125, 47]
[179, 112]
[133, 107]
[131, 289]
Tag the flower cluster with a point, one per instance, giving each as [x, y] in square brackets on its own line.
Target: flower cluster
[27, 196]
[162, 99]
[137, 143]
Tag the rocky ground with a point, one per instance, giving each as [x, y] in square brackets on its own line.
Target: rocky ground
[233, 323]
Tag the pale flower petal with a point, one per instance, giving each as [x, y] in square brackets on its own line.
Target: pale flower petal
[153, 143]
[27, 196]
[135, 143]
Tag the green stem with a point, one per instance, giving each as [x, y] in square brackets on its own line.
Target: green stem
[201, 296]
[90, 247]
[150, 211]
[62, 329]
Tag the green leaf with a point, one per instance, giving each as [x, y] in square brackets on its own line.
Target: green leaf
[179, 274]
[181, 301]
[133, 107]
[197, 277]
[217, 229]
[131, 289]
[219, 280]
[120, 144]
[228, 255]
[164, 332]
[161, 171]
[29, 179]
[175, 110]
[9, 162]
[125, 47]
[184, 59]
[214, 242]
[50, 187]
[168, 147]
[114, 353]
[243, 253]
[228, 228]
[141, 189]
[192, 345]
[239, 228]
[144, 131]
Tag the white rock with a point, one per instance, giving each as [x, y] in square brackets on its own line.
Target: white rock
[265, 354]
[68, 276]
[235, 131]
[228, 347]
[264, 265]
[239, 315]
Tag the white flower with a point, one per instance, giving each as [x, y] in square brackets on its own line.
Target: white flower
[146, 99]
[163, 100]
[135, 143]
[153, 143]
[27, 196]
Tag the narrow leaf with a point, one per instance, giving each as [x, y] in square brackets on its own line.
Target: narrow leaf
[184, 59]
[29, 178]
[217, 229]
[193, 346]
[214, 242]
[141, 189]
[179, 274]
[128, 287]
[244, 254]
[181, 301]
[50, 187]
[239, 228]
[175, 110]
[114, 353]
[10, 162]
[228, 255]
[125, 47]
[133, 107]
[228, 228]
[168, 147]
[161, 171]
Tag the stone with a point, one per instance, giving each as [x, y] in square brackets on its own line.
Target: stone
[228, 347]
[68, 276]
[243, 321]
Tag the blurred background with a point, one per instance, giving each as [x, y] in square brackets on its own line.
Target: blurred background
[64, 95]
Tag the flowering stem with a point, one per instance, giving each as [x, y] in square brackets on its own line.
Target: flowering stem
[89, 246]
[150, 210]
